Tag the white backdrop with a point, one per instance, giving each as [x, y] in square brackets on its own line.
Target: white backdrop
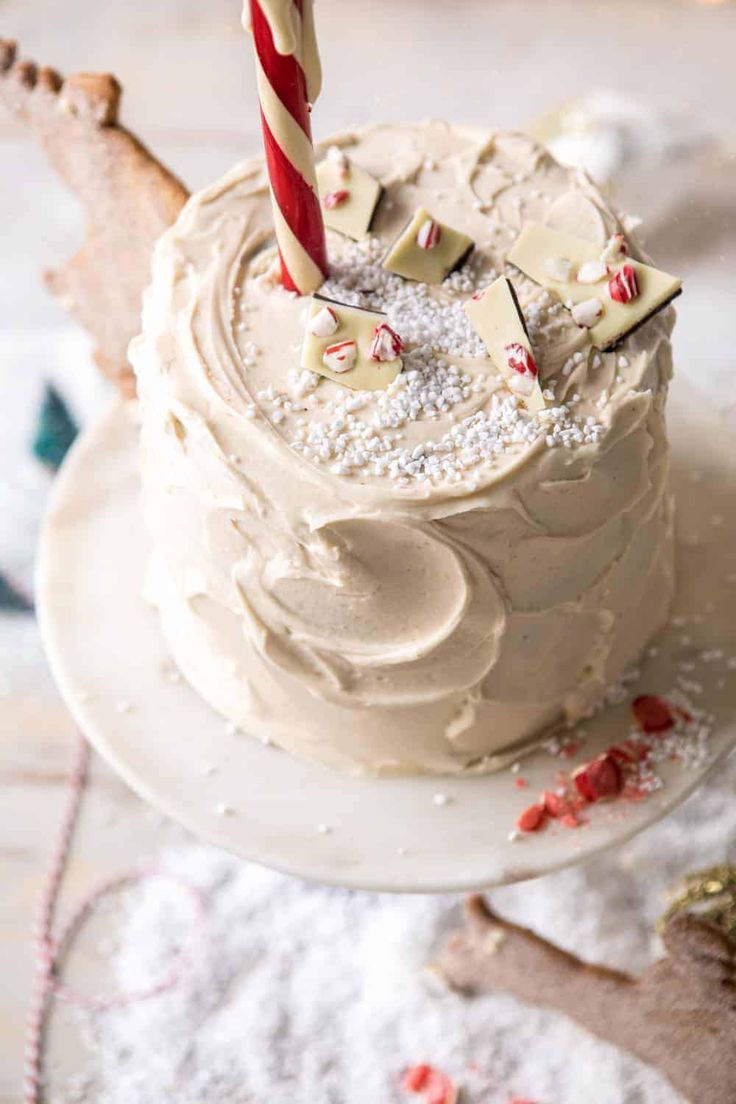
[189, 93]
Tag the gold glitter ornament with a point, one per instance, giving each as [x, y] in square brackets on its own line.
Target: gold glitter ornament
[709, 894]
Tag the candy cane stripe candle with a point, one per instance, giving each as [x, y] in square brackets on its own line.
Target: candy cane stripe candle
[288, 73]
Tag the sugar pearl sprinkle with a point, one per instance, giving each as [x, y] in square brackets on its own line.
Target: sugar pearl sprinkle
[362, 434]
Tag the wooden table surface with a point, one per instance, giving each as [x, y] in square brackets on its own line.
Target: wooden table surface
[189, 92]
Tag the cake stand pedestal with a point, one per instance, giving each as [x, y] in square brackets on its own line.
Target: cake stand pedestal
[113, 669]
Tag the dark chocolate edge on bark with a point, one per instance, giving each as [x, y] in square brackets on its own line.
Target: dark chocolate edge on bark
[336, 303]
[616, 341]
[520, 312]
[376, 205]
[460, 261]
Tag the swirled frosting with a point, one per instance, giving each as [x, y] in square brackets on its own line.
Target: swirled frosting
[416, 580]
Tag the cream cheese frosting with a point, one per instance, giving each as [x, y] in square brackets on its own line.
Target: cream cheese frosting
[422, 579]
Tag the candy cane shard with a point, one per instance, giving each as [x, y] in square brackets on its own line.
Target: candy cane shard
[288, 77]
[498, 321]
[625, 295]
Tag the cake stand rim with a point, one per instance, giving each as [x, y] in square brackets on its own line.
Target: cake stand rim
[227, 832]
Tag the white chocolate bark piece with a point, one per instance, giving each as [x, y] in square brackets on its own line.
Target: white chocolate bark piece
[427, 249]
[348, 195]
[360, 351]
[497, 318]
[537, 253]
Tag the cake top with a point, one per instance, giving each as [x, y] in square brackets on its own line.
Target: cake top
[448, 423]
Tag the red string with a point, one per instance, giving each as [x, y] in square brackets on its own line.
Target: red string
[50, 949]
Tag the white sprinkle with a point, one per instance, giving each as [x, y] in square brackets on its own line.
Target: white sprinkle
[224, 810]
[441, 799]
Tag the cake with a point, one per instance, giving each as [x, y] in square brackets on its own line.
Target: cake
[433, 575]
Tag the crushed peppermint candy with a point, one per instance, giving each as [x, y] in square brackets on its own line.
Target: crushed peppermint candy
[335, 199]
[523, 365]
[624, 286]
[324, 323]
[386, 344]
[429, 234]
[652, 714]
[532, 819]
[614, 249]
[434, 1085]
[602, 777]
[587, 313]
[341, 356]
[665, 730]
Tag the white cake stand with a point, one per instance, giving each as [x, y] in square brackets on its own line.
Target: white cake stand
[112, 667]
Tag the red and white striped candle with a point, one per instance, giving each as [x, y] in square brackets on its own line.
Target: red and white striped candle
[287, 64]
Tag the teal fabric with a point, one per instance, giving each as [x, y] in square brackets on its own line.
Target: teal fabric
[11, 600]
[55, 429]
[52, 433]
